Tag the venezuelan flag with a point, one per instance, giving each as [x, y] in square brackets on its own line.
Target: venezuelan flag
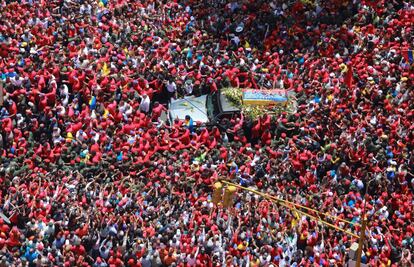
[92, 103]
[103, 3]
[408, 55]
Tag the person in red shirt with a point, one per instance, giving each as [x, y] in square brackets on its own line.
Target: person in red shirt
[157, 110]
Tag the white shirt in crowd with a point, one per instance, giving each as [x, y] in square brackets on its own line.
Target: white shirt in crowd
[145, 104]
[171, 87]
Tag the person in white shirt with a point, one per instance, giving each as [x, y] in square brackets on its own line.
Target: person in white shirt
[81, 136]
[57, 138]
[61, 111]
[144, 106]
[16, 81]
[64, 94]
[188, 87]
[236, 40]
[171, 89]
[191, 259]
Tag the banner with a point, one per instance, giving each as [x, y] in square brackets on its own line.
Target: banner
[264, 97]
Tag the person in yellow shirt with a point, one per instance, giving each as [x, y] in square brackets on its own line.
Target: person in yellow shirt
[255, 262]
[243, 246]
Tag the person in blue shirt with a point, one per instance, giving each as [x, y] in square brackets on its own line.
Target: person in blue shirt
[31, 254]
[189, 123]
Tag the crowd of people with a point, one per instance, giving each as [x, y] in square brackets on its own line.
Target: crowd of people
[90, 175]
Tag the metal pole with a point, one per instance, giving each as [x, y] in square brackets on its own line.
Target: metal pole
[363, 227]
[295, 204]
[361, 241]
[267, 31]
[1, 93]
[364, 217]
[291, 206]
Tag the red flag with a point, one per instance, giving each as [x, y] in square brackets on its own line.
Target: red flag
[349, 77]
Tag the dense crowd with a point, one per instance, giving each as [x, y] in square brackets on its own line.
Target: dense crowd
[90, 175]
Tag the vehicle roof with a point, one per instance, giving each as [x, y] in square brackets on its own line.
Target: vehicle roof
[193, 106]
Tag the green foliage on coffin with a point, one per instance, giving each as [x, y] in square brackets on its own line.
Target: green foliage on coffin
[235, 96]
